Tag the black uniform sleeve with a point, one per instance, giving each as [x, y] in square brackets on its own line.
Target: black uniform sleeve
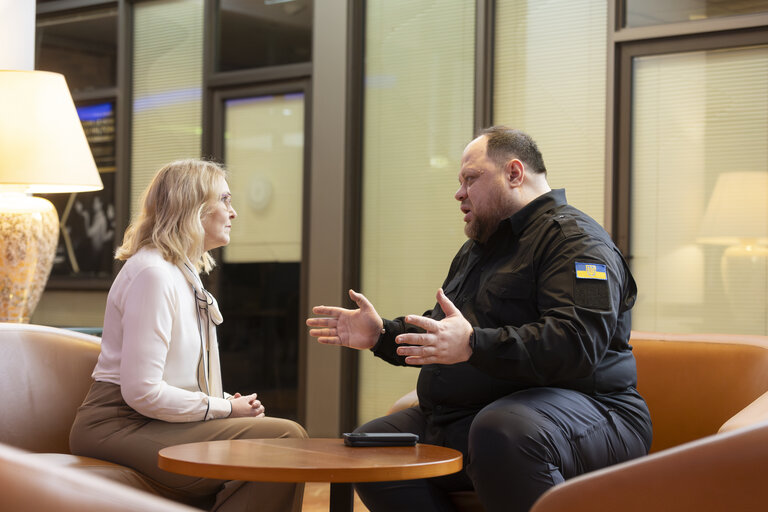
[386, 347]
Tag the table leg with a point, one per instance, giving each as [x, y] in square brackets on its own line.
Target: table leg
[342, 498]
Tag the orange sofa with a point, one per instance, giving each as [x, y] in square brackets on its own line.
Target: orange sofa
[695, 387]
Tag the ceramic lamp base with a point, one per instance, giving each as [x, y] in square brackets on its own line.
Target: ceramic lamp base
[29, 233]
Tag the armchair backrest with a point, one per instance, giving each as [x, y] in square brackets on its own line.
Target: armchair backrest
[694, 383]
[45, 373]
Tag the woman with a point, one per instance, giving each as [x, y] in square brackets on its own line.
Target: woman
[157, 379]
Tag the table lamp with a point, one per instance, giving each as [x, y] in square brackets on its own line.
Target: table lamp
[737, 217]
[43, 149]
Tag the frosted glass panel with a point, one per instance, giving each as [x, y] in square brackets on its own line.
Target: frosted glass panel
[264, 151]
[167, 87]
[699, 222]
[419, 90]
[549, 63]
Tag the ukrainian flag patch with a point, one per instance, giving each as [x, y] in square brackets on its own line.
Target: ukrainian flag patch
[591, 271]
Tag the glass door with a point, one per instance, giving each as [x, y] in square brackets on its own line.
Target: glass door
[260, 270]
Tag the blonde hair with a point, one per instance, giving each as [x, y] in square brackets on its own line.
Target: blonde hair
[179, 196]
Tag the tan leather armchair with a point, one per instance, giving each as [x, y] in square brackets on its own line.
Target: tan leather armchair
[695, 387]
[45, 373]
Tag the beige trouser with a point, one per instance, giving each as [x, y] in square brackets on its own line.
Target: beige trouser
[107, 428]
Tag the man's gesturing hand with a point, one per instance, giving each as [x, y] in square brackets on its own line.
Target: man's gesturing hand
[354, 328]
[445, 342]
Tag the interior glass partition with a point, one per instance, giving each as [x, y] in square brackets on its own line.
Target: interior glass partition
[167, 87]
[418, 116]
[549, 81]
[699, 190]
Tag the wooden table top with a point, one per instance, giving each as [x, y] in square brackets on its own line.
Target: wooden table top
[307, 460]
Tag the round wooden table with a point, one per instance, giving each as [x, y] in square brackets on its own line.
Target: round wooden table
[309, 460]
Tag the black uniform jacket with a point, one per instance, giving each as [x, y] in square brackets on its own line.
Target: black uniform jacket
[549, 297]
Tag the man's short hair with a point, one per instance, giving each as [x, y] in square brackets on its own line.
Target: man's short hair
[506, 143]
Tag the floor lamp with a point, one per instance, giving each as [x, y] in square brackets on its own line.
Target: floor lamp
[43, 149]
[737, 218]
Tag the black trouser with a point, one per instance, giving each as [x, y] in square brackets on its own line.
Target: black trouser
[514, 449]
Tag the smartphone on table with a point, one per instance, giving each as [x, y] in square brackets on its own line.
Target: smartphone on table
[380, 439]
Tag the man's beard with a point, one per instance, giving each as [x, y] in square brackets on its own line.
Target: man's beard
[481, 227]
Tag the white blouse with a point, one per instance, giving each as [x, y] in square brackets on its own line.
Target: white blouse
[151, 343]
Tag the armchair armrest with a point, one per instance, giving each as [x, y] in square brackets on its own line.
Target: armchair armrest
[754, 413]
[31, 483]
[404, 402]
[718, 472]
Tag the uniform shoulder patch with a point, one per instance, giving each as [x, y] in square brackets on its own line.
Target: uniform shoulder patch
[591, 271]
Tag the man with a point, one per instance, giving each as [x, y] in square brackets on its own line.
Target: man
[526, 366]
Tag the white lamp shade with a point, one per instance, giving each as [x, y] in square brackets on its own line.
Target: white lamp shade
[43, 148]
[737, 212]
